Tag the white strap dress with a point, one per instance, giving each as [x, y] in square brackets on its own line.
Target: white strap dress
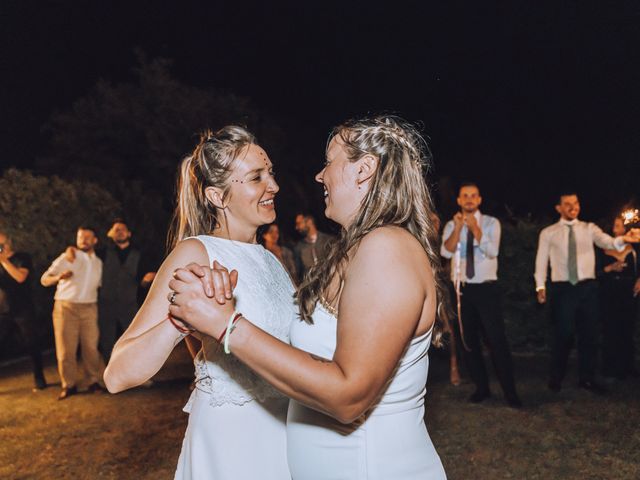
[388, 442]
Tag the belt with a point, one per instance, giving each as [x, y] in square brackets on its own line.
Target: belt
[581, 282]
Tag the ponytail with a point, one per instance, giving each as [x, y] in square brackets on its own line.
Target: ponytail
[208, 166]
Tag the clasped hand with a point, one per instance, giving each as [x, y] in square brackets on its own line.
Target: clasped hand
[203, 297]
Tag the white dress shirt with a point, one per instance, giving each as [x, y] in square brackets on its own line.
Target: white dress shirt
[485, 252]
[553, 246]
[82, 286]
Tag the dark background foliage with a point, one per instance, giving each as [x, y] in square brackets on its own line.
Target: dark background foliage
[41, 214]
[101, 100]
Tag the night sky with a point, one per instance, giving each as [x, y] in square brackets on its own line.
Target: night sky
[526, 98]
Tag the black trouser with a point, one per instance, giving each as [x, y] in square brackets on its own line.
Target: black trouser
[574, 308]
[481, 305]
[618, 327]
[25, 321]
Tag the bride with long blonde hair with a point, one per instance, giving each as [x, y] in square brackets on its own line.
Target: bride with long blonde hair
[236, 424]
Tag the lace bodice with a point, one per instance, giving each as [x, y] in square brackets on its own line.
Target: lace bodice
[264, 295]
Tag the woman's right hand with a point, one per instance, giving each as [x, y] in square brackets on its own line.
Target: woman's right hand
[191, 304]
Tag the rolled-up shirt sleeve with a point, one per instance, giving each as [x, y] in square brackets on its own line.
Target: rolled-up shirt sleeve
[490, 242]
[446, 233]
[58, 266]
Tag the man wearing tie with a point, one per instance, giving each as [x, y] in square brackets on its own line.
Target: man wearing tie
[472, 241]
[573, 291]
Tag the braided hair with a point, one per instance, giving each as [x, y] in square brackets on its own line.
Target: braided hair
[398, 196]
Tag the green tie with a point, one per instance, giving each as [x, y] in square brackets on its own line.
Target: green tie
[573, 257]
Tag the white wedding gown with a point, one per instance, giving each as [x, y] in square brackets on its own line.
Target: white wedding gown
[236, 427]
[390, 442]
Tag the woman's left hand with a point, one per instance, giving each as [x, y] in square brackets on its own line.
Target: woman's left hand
[192, 305]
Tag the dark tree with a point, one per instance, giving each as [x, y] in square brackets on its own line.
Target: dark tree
[130, 138]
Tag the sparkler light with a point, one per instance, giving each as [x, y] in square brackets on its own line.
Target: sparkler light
[631, 218]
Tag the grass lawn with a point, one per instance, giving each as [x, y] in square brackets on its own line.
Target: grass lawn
[137, 434]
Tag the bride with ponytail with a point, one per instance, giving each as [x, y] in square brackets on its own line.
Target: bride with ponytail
[236, 430]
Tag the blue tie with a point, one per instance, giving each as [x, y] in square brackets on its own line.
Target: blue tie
[470, 270]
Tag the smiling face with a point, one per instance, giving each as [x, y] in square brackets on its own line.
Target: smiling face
[249, 202]
[340, 178]
[569, 207]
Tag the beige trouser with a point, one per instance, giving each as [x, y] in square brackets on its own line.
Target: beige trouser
[76, 324]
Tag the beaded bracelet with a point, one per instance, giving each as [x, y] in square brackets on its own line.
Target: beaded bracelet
[186, 330]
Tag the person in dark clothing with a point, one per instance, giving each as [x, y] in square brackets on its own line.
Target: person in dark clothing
[619, 275]
[126, 270]
[16, 304]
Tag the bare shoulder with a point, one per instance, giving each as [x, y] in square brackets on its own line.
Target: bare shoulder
[394, 242]
[187, 251]
[388, 260]
[392, 250]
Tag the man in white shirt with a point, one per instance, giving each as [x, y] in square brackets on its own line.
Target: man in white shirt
[75, 311]
[568, 246]
[472, 241]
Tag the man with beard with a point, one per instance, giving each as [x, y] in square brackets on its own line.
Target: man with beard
[75, 311]
[568, 246]
[313, 244]
[472, 240]
[126, 271]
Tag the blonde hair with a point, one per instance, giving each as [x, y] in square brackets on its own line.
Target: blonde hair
[398, 196]
[209, 165]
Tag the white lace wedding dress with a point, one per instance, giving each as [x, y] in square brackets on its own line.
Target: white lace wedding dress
[236, 425]
[390, 442]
